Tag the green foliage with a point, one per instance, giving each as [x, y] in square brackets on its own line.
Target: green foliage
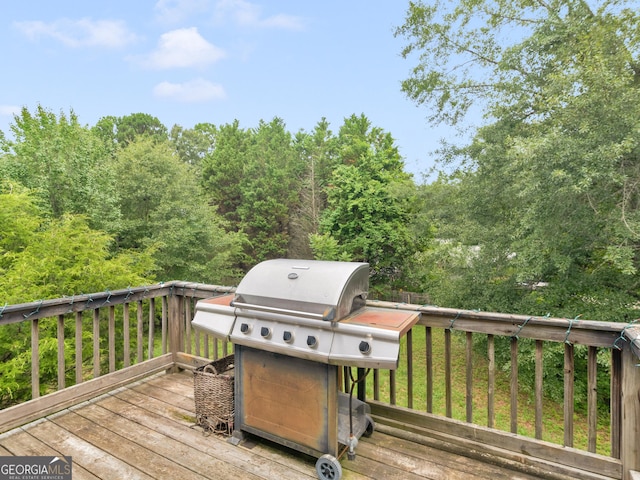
[369, 203]
[121, 131]
[253, 176]
[65, 257]
[19, 220]
[64, 165]
[223, 170]
[542, 214]
[42, 258]
[192, 145]
[319, 151]
[548, 188]
[163, 210]
[326, 247]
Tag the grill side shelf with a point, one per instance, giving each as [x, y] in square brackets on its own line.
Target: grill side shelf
[215, 316]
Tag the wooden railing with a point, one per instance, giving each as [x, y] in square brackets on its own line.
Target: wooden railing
[118, 337]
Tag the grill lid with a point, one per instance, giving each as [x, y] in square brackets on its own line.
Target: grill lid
[318, 289]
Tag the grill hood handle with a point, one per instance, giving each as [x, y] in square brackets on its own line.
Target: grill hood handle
[328, 315]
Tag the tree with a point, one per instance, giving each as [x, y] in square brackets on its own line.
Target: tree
[370, 202]
[193, 144]
[223, 170]
[42, 258]
[548, 188]
[123, 130]
[552, 177]
[253, 177]
[64, 165]
[270, 190]
[318, 150]
[19, 220]
[162, 208]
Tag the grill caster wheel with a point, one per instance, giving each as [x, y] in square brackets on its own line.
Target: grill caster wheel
[328, 468]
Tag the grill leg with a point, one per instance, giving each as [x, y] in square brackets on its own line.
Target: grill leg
[237, 437]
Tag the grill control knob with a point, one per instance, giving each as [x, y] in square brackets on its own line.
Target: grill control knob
[312, 341]
[265, 332]
[287, 337]
[365, 348]
[244, 328]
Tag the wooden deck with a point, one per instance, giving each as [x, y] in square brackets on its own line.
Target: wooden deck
[146, 430]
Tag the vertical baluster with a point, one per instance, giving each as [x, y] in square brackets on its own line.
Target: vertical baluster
[409, 369]
[539, 389]
[140, 331]
[79, 347]
[491, 381]
[616, 404]
[429, 372]
[568, 394]
[112, 338]
[469, 375]
[514, 385]
[152, 321]
[61, 366]
[187, 325]
[165, 302]
[592, 397]
[126, 333]
[206, 346]
[447, 371]
[196, 341]
[35, 359]
[96, 343]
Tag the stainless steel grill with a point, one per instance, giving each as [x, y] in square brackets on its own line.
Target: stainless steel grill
[293, 322]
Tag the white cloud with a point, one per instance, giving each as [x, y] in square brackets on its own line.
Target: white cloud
[9, 110]
[249, 14]
[184, 47]
[175, 11]
[198, 90]
[80, 33]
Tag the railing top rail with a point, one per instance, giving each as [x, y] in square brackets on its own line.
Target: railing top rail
[576, 331]
[77, 303]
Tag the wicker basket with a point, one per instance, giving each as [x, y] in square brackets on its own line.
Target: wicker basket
[213, 391]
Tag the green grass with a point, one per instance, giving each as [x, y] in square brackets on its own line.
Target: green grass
[553, 421]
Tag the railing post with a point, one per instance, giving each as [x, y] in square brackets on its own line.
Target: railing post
[175, 328]
[630, 428]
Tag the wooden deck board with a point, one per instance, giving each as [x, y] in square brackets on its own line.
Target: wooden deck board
[24, 444]
[146, 430]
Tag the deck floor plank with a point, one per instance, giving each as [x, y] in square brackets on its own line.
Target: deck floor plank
[146, 430]
[173, 424]
[99, 461]
[171, 449]
[23, 443]
[139, 457]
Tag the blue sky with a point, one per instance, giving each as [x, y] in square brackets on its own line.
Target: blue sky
[214, 61]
